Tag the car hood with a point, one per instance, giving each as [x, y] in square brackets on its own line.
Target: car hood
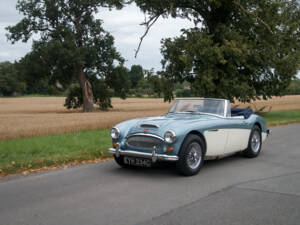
[160, 124]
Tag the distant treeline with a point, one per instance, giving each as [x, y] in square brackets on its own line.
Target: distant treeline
[17, 81]
[294, 88]
[184, 90]
[138, 81]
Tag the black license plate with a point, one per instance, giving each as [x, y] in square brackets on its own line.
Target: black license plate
[137, 161]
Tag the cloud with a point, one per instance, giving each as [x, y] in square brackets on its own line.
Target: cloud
[123, 24]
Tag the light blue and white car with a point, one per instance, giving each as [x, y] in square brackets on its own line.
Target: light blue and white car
[194, 129]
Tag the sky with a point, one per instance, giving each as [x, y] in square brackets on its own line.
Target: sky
[123, 24]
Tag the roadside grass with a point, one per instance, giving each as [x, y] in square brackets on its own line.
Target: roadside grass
[32, 154]
[281, 118]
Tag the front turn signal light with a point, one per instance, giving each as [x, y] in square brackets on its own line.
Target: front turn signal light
[170, 149]
[115, 144]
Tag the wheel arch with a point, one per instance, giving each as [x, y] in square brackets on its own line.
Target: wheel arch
[259, 125]
[199, 134]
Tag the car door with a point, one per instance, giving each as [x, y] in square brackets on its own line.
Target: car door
[238, 134]
[216, 138]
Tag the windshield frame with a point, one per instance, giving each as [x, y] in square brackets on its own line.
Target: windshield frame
[225, 113]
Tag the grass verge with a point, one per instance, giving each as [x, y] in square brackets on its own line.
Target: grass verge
[281, 118]
[30, 154]
[33, 154]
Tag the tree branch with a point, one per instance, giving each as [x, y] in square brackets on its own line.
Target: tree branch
[148, 25]
[251, 14]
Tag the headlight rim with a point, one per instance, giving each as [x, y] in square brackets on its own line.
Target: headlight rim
[118, 131]
[173, 136]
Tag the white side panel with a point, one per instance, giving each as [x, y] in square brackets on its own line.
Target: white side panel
[237, 140]
[216, 142]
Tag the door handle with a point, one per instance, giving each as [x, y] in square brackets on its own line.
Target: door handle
[214, 130]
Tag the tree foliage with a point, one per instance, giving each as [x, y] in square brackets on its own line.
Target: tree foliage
[294, 87]
[102, 95]
[33, 71]
[155, 81]
[10, 82]
[119, 80]
[72, 41]
[136, 74]
[243, 49]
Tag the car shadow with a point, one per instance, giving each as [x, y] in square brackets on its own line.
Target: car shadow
[167, 169]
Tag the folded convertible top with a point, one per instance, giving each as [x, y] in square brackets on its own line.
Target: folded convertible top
[246, 113]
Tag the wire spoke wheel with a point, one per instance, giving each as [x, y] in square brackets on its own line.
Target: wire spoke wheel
[254, 144]
[191, 155]
[255, 141]
[194, 156]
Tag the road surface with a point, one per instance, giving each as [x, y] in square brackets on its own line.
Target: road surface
[235, 190]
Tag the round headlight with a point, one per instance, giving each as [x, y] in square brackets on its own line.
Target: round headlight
[170, 136]
[115, 133]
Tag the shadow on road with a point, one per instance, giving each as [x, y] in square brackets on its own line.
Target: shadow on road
[166, 169]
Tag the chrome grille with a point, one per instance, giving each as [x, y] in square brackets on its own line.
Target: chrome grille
[144, 141]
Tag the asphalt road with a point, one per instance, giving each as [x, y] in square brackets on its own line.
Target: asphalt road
[235, 190]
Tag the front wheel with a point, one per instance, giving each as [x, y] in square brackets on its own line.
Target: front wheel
[254, 144]
[191, 155]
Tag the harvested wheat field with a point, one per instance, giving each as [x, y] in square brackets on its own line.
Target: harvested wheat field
[27, 117]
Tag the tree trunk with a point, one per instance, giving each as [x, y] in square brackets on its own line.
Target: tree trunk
[87, 93]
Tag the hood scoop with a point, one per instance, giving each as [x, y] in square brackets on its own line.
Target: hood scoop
[149, 125]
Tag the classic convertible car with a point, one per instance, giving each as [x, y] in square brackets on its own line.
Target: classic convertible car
[193, 130]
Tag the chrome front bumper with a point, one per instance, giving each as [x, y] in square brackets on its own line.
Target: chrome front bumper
[154, 156]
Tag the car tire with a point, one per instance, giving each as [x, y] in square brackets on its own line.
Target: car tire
[191, 155]
[254, 143]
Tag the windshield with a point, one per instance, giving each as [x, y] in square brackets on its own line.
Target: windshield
[209, 106]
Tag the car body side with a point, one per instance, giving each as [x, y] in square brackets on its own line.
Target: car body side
[221, 135]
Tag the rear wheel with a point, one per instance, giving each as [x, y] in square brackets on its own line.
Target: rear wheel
[191, 155]
[254, 144]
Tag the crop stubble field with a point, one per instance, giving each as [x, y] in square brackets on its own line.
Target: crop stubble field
[36, 116]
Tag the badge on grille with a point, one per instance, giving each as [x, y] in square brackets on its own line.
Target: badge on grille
[146, 130]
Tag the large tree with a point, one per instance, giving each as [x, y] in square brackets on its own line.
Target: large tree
[71, 43]
[238, 49]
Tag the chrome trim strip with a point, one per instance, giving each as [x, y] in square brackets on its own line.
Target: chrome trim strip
[225, 108]
[143, 134]
[194, 98]
[227, 103]
[202, 113]
[152, 155]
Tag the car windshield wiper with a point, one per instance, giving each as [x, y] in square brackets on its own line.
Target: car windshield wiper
[188, 111]
[192, 111]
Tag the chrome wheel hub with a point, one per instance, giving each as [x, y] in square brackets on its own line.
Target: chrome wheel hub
[255, 141]
[194, 156]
